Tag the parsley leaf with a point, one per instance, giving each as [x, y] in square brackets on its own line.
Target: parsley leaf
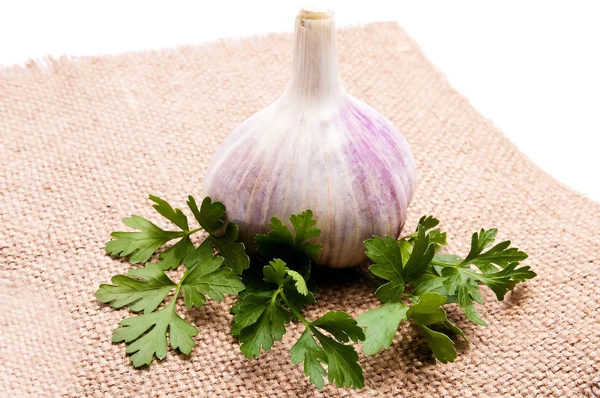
[465, 280]
[211, 215]
[144, 289]
[420, 257]
[501, 254]
[147, 335]
[260, 319]
[291, 248]
[381, 324]
[176, 216]
[440, 344]
[342, 362]
[171, 258]
[211, 218]
[436, 279]
[426, 310]
[341, 359]
[457, 278]
[275, 272]
[340, 325]
[504, 280]
[393, 266]
[233, 251]
[299, 282]
[308, 351]
[141, 245]
[436, 236]
[388, 265]
[304, 227]
[210, 278]
[280, 243]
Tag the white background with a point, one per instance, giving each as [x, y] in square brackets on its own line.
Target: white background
[533, 67]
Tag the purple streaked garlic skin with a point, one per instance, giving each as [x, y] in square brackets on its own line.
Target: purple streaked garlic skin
[316, 148]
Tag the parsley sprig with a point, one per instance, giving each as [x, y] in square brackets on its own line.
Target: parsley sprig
[145, 289]
[261, 316]
[418, 279]
[141, 245]
[414, 269]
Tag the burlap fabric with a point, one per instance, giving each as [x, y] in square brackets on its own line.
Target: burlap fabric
[84, 141]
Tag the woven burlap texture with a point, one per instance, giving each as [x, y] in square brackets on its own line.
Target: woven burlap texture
[83, 142]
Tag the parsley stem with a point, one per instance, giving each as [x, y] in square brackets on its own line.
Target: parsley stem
[292, 309]
[194, 231]
[187, 272]
[174, 300]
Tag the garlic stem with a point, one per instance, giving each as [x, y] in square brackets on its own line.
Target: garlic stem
[315, 78]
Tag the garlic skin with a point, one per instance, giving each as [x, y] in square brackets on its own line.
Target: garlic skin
[316, 148]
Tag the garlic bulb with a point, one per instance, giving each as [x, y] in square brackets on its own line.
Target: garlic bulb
[316, 148]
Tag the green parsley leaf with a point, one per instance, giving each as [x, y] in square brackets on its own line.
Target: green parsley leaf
[260, 317]
[427, 223]
[209, 278]
[306, 350]
[480, 241]
[171, 258]
[259, 321]
[427, 310]
[464, 282]
[444, 260]
[468, 292]
[304, 228]
[435, 284]
[340, 325]
[381, 324]
[140, 246]
[501, 281]
[211, 215]
[391, 266]
[436, 236]
[275, 272]
[420, 257]
[388, 265]
[300, 283]
[147, 335]
[279, 240]
[341, 359]
[233, 251]
[144, 289]
[342, 362]
[176, 216]
[440, 344]
[501, 254]
[459, 283]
